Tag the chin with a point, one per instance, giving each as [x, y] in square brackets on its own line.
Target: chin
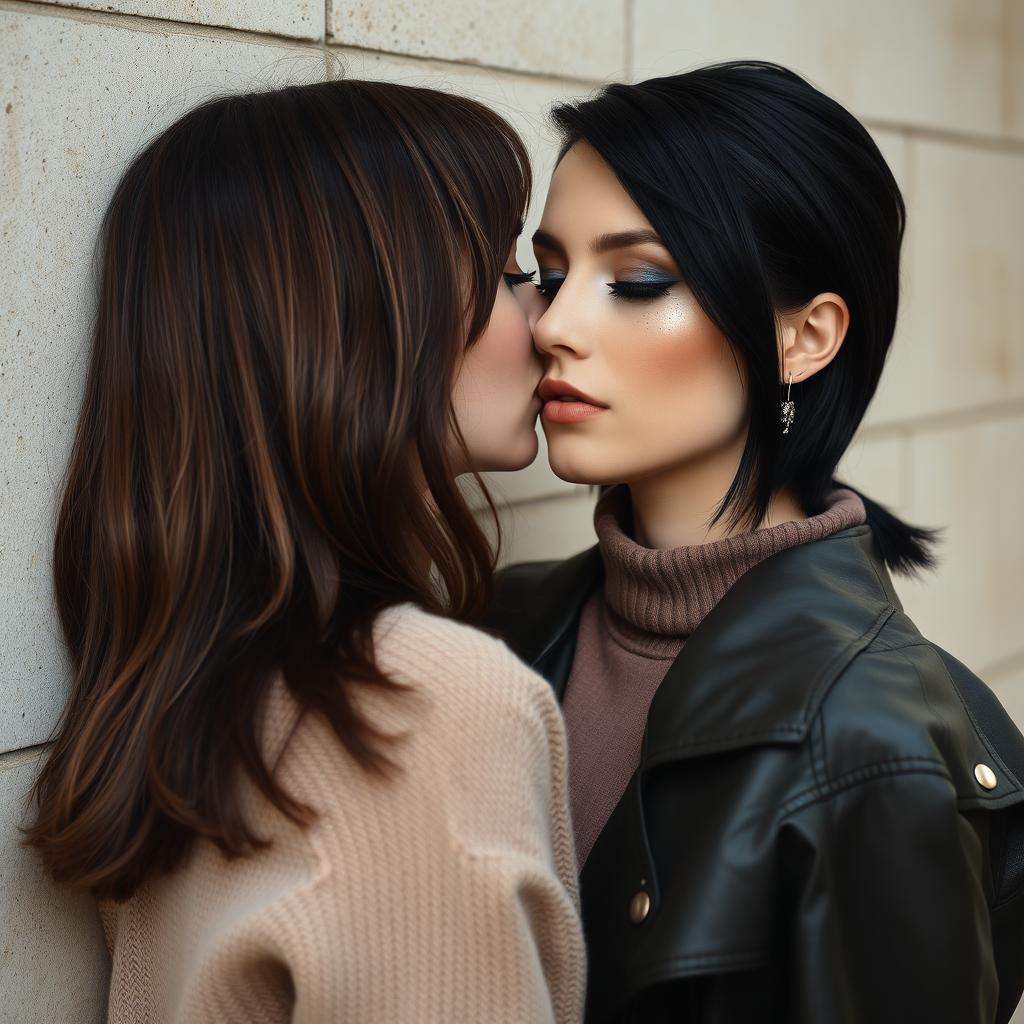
[517, 453]
[531, 445]
[573, 473]
[574, 467]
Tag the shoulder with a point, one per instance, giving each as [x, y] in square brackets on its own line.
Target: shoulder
[455, 661]
[467, 717]
[434, 637]
[905, 706]
[457, 689]
[475, 737]
[458, 693]
[470, 698]
[489, 727]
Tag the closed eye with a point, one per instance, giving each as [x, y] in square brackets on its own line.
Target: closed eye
[514, 280]
[640, 289]
[548, 286]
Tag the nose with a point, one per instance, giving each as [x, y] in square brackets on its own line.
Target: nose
[555, 332]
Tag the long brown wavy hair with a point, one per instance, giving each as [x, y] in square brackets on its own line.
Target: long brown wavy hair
[286, 283]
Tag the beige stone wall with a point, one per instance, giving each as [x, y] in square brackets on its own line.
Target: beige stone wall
[82, 84]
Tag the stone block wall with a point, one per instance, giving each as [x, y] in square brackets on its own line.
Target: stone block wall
[940, 83]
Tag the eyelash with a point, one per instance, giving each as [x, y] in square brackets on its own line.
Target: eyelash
[634, 290]
[629, 290]
[514, 280]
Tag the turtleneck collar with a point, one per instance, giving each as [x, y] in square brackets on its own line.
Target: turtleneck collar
[657, 597]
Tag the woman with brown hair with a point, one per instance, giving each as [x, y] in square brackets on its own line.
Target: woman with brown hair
[299, 785]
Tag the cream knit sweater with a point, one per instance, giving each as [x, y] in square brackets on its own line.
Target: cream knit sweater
[446, 894]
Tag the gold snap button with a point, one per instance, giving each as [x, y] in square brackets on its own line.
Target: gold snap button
[985, 776]
[639, 907]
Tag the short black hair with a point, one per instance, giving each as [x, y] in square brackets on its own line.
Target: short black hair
[767, 192]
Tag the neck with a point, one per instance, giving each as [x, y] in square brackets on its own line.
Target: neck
[673, 508]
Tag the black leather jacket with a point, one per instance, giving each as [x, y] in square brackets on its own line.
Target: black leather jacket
[827, 824]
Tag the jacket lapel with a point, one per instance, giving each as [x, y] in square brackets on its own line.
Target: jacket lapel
[762, 661]
[754, 673]
[536, 611]
[818, 603]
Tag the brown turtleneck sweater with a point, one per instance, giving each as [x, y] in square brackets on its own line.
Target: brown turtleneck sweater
[631, 631]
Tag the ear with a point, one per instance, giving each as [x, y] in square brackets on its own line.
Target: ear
[813, 335]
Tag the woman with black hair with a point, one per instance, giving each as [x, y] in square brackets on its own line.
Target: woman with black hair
[789, 806]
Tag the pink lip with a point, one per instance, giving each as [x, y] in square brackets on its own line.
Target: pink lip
[550, 388]
[565, 404]
[569, 412]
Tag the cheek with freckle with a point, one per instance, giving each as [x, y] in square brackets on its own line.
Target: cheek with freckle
[685, 391]
[671, 348]
[675, 390]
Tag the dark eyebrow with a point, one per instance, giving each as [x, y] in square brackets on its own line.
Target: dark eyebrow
[604, 243]
[624, 239]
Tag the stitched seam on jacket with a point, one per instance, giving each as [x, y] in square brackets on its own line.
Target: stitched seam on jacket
[849, 780]
[878, 644]
[881, 585]
[745, 957]
[777, 732]
[828, 676]
[900, 649]
[816, 739]
[979, 732]
[851, 651]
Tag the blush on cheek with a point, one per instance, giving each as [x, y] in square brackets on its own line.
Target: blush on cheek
[679, 391]
[493, 395]
[675, 341]
[504, 345]
[514, 341]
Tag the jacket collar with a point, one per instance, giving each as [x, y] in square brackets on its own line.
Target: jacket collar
[808, 610]
[536, 611]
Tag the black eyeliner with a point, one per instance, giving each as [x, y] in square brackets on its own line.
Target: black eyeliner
[514, 280]
[548, 287]
[649, 289]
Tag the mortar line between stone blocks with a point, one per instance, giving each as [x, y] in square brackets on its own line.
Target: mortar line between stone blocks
[911, 158]
[469, 65]
[148, 23]
[505, 503]
[144, 23]
[953, 136]
[556, 496]
[993, 412]
[23, 755]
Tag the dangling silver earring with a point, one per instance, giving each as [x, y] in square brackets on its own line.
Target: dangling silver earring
[788, 407]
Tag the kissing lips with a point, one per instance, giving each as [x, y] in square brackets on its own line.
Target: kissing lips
[558, 411]
[565, 404]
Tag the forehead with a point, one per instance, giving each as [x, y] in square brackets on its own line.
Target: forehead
[586, 199]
